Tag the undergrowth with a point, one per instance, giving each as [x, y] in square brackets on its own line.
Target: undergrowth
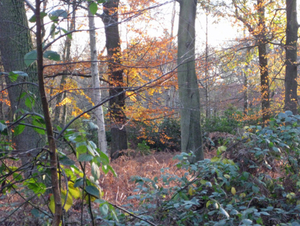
[253, 181]
[250, 180]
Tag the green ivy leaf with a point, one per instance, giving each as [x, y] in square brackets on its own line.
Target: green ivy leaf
[19, 129]
[92, 190]
[93, 8]
[81, 149]
[52, 55]
[29, 102]
[104, 209]
[17, 176]
[33, 18]
[12, 76]
[22, 95]
[37, 188]
[85, 158]
[30, 57]
[104, 158]
[38, 124]
[109, 167]
[78, 182]
[54, 15]
[65, 31]
[64, 160]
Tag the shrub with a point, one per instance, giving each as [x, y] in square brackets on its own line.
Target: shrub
[163, 136]
[239, 190]
[212, 192]
[228, 123]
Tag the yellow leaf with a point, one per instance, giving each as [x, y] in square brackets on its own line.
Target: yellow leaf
[191, 191]
[222, 148]
[52, 204]
[66, 202]
[242, 195]
[215, 159]
[227, 176]
[203, 182]
[233, 191]
[291, 195]
[208, 203]
[75, 192]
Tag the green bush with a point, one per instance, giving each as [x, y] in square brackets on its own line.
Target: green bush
[279, 142]
[212, 192]
[165, 135]
[229, 191]
[227, 123]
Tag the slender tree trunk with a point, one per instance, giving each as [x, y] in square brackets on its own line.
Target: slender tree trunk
[15, 42]
[261, 41]
[97, 87]
[245, 94]
[116, 91]
[263, 63]
[207, 104]
[291, 57]
[191, 139]
[48, 122]
[61, 111]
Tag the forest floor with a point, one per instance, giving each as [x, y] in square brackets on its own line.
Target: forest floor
[17, 211]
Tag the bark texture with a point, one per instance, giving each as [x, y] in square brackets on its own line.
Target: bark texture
[263, 63]
[15, 42]
[291, 57]
[116, 91]
[97, 87]
[191, 139]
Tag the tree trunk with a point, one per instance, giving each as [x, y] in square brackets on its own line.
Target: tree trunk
[15, 42]
[207, 101]
[50, 136]
[291, 57]
[261, 41]
[191, 139]
[245, 94]
[96, 85]
[263, 63]
[61, 111]
[116, 91]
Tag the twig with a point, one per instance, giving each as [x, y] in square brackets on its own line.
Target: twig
[30, 203]
[15, 210]
[90, 210]
[131, 214]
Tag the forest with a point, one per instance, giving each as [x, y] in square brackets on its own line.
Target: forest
[149, 112]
